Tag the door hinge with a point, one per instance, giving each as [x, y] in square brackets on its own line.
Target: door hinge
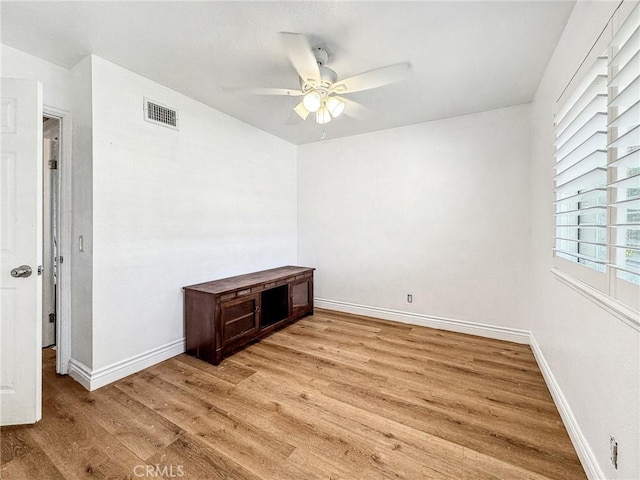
[40, 269]
[53, 164]
[52, 318]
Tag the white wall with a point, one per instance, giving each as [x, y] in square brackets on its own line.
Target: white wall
[438, 210]
[82, 216]
[174, 208]
[56, 81]
[592, 355]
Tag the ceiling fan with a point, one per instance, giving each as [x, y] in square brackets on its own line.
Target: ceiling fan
[321, 91]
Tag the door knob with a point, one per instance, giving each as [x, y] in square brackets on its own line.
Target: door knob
[21, 271]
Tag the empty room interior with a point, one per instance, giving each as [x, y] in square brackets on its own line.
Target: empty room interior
[320, 240]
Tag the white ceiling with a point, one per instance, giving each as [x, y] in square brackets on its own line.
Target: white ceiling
[467, 56]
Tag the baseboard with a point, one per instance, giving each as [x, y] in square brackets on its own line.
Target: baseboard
[585, 454]
[94, 379]
[460, 326]
[80, 373]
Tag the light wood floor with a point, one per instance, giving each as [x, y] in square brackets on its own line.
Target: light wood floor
[331, 397]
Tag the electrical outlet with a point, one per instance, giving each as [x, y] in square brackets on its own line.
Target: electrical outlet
[613, 447]
[409, 298]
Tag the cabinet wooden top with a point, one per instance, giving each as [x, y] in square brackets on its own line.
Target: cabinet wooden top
[248, 280]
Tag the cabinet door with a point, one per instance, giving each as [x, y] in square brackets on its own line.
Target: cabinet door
[301, 294]
[239, 317]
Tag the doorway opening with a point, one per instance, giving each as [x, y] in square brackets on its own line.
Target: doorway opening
[50, 240]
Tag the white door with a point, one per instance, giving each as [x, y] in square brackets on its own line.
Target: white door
[20, 251]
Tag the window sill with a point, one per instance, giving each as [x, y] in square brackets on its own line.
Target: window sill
[618, 309]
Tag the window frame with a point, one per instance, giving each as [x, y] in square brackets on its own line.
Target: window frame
[605, 288]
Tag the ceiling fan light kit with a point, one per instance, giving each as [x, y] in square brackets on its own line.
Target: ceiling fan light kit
[302, 112]
[312, 101]
[323, 116]
[317, 98]
[335, 106]
[325, 110]
[319, 84]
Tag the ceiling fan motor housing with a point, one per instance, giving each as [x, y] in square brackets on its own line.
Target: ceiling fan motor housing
[321, 54]
[327, 78]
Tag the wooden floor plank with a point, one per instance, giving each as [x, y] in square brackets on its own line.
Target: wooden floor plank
[232, 436]
[189, 457]
[22, 457]
[229, 371]
[79, 447]
[377, 440]
[333, 396]
[137, 427]
[15, 443]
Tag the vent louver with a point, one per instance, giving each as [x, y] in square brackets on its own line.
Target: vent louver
[159, 114]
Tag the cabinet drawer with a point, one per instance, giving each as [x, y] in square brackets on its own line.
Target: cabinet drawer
[239, 318]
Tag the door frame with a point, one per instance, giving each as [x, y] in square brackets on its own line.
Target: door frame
[63, 300]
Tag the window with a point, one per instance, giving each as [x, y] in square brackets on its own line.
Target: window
[624, 149]
[597, 166]
[581, 171]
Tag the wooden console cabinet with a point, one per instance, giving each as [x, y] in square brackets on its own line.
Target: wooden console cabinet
[224, 315]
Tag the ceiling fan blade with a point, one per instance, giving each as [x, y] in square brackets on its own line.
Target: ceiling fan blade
[373, 78]
[354, 109]
[300, 55]
[291, 92]
[302, 112]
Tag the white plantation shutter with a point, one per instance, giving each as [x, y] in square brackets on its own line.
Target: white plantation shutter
[624, 149]
[581, 171]
[597, 169]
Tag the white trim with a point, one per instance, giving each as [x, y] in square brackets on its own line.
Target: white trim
[63, 307]
[587, 458]
[94, 379]
[461, 326]
[80, 373]
[618, 309]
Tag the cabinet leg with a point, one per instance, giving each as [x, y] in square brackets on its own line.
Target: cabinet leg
[217, 357]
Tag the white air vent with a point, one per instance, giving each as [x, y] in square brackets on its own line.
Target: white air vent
[159, 114]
